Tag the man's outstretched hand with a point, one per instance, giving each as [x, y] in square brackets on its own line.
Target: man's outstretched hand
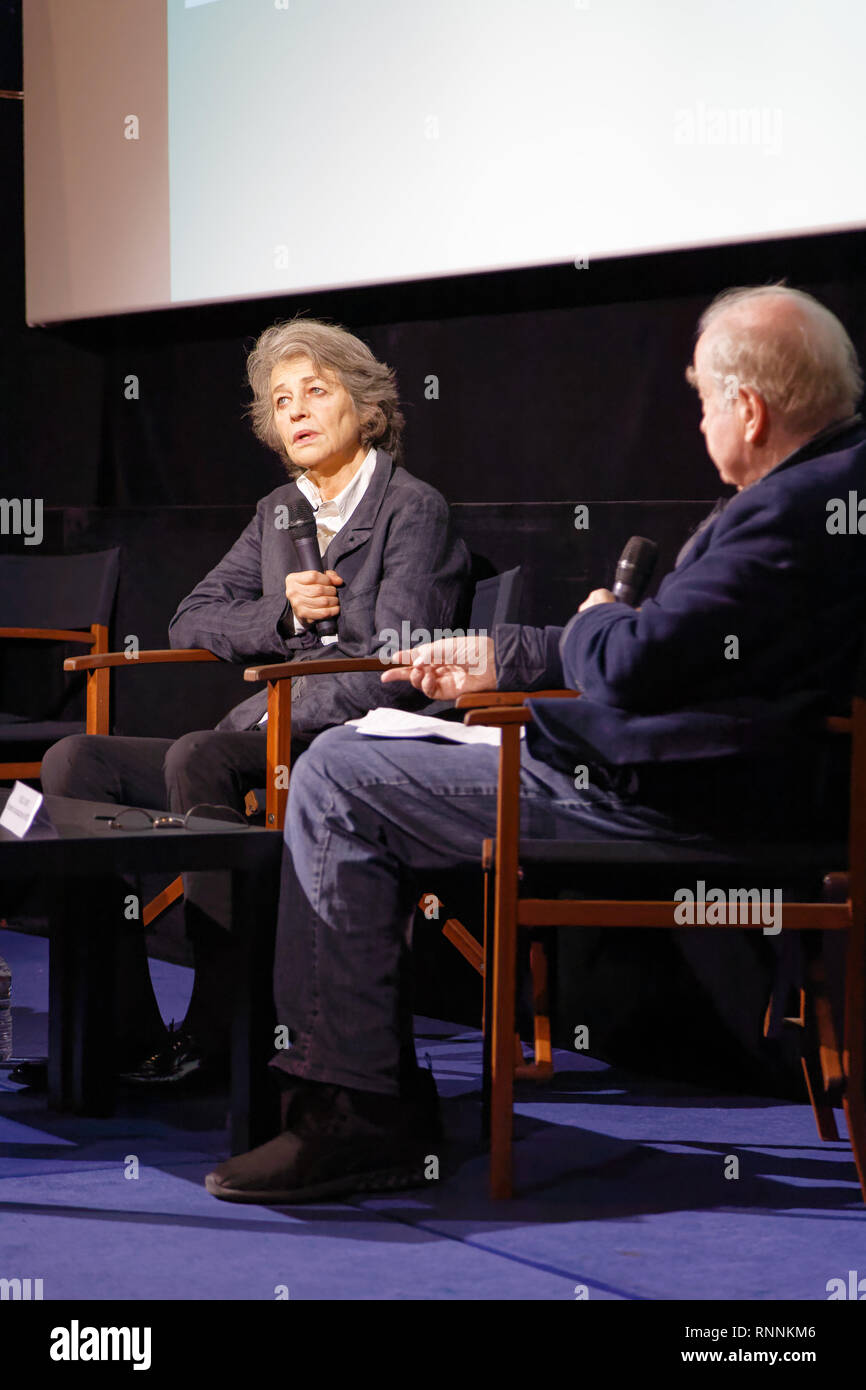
[458, 665]
[445, 669]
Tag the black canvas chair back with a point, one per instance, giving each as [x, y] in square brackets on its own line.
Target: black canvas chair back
[496, 600]
[58, 591]
[41, 595]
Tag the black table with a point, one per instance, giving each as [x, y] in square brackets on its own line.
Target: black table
[82, 861]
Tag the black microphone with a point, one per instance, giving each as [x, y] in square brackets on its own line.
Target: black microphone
[635, 570]
[301, 526]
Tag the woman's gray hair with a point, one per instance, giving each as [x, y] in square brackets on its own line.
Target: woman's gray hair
[330, 348]
[806, 369]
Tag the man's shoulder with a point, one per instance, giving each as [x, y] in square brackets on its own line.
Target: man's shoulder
[807, 487]
[836, 467]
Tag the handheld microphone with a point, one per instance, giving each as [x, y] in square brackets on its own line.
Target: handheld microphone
[635, 570]
[301, 526]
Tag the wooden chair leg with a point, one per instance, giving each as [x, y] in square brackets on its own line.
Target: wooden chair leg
[454, 931]
[541, 1069]
[853, 1049]
[825, 1120]
[855, 1116]
[502, 1051]
[162, 901]
[821, 1061]
[504, 967]
[819, 1049]
[829, 1057]
[487, 867]
[487, 990]
[829, 1053]
[279, 752]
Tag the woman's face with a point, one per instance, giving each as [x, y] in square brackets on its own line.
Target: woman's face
[314, 414]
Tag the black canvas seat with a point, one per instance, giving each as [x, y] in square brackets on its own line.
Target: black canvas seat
[47, 603]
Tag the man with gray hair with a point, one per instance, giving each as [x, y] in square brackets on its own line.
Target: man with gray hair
[697, 722]
[773, 368]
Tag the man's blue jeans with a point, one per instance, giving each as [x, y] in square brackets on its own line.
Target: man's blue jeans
[367, 820]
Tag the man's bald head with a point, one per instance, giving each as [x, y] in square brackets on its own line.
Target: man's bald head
[788, 347]
[781, 365]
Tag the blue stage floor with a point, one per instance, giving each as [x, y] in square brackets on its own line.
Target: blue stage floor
[623, 1193]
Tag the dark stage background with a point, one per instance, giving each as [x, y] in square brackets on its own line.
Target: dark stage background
[556, 386]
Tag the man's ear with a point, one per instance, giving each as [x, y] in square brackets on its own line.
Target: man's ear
[754, 415]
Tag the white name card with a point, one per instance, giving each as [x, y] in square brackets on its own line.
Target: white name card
[20, 809]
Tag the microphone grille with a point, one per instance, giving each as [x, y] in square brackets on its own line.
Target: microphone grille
[639, 550]
[301, 518]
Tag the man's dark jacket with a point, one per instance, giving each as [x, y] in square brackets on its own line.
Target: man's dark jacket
[759, 627]
[400, 562]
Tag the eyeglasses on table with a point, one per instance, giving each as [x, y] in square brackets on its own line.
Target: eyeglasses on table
[136, 818]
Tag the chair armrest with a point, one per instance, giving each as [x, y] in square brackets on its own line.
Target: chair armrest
[48, 634]
[506, 712]
[325, 666]
[279, 729]
[152, 658]
[491, 699]
[499, 717]
[836, 725]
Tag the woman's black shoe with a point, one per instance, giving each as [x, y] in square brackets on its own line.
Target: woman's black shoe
[180, 1059]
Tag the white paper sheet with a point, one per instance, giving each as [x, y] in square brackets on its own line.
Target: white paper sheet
[399, 723]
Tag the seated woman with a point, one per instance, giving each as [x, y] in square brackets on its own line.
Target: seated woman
[329, 409]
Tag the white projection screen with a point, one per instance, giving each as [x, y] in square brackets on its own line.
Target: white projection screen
[192, 151]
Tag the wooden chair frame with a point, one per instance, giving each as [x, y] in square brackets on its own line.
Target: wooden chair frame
[279, 745]
[829, 1071]
[279, 727]
[279, 679]
[96, 638]
[279, 742]
[279, 732]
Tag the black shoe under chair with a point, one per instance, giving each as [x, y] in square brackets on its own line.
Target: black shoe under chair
[180, 1060]
[336, 1141]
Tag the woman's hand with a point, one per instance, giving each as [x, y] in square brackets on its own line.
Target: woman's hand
[313, 595]
[445, 669]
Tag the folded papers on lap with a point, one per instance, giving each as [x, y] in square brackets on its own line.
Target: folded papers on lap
[398, 723]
